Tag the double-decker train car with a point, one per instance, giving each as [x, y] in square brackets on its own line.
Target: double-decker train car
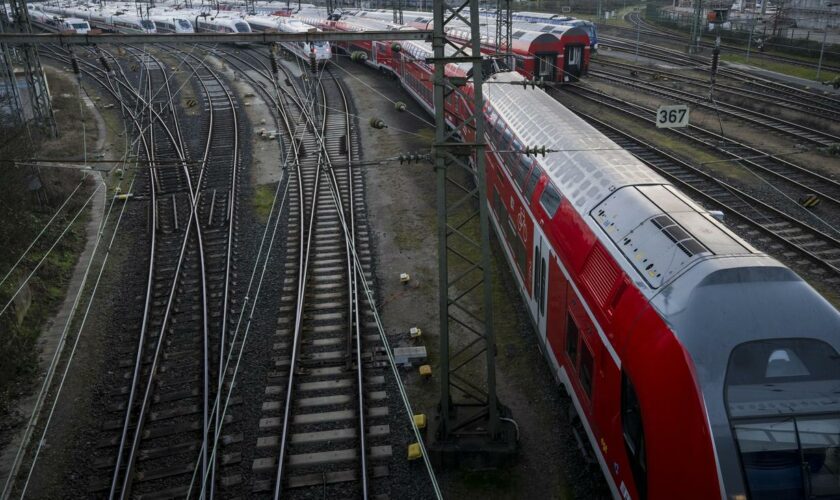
[319, 51]
[698, 366]
[556, 19]
[555, 54]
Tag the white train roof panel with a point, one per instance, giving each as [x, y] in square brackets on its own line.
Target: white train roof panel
[587, 166]
[655, 230]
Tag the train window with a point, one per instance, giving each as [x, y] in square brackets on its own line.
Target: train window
[543, 287]
[634, 435]
[550, 200]
[585, 369]
[533, 179]
[507, 137]
[521, 167]
[572, 336]
[781, 398]
[536, 265]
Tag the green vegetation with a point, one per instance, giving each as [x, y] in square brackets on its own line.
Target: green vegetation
[30, 197]
[21, 218]
[784, 68]
[262, 200]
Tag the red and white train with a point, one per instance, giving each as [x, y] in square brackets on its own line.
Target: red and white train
[698, 366]
[551, 53]
[554, 57]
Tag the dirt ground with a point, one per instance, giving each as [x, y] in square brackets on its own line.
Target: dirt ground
[402, 208]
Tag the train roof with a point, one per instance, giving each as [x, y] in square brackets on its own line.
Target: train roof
[654, 231]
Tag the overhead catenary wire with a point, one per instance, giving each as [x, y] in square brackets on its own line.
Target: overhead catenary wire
[41, 233]
[48, 252]
[57, 356]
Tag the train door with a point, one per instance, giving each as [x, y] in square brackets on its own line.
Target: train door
[545, 66]
[573, 62]
[539, 302]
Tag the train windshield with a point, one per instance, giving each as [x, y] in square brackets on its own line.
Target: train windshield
[184, 24]
[320, 45]
[783, 397]
[80, 26]
[243, 28]
[147, 24]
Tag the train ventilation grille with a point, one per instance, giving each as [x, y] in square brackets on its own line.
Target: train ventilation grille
[678, 235]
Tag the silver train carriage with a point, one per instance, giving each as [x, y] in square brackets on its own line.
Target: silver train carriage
[304, 50]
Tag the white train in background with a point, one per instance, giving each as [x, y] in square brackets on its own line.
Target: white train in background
[172, 22]
[118, 20]
[52, 22]
[304, 50]
[221, 23]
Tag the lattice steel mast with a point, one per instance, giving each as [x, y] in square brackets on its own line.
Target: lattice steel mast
[504, 29]
[468, 425]
[8, 72]
[31, 64]
[398, 11]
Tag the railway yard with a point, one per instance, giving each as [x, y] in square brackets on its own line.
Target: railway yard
[249, 298]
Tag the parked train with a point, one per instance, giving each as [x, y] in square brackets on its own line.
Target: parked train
[51, 22]
[699, 367]
[537, 55]
[221, 23]
[555, 54]
[556, 19]
[109, 20]
[172, 22]
[320, 51]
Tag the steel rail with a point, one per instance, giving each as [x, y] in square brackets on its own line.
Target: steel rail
[298, 328]
[752, 158]
[794, 101]
[194, 196]
[801, 132]
[753, 202]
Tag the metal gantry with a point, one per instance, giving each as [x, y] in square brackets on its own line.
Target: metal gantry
[11, 93]
[696, 27]
[469, 427]
[504, 30]
[398, 11]
[30, 62]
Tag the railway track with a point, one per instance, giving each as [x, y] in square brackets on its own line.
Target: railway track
[333, 428]
[791, 129]
[326, 418]
[793, 102]
[326, 414]
[811, 251]
[159, 420]
[645, 28]
[786, 176]
[680, 59]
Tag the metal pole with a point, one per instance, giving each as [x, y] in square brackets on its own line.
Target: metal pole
[638, 34]
[749, 42]
[822, 50]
